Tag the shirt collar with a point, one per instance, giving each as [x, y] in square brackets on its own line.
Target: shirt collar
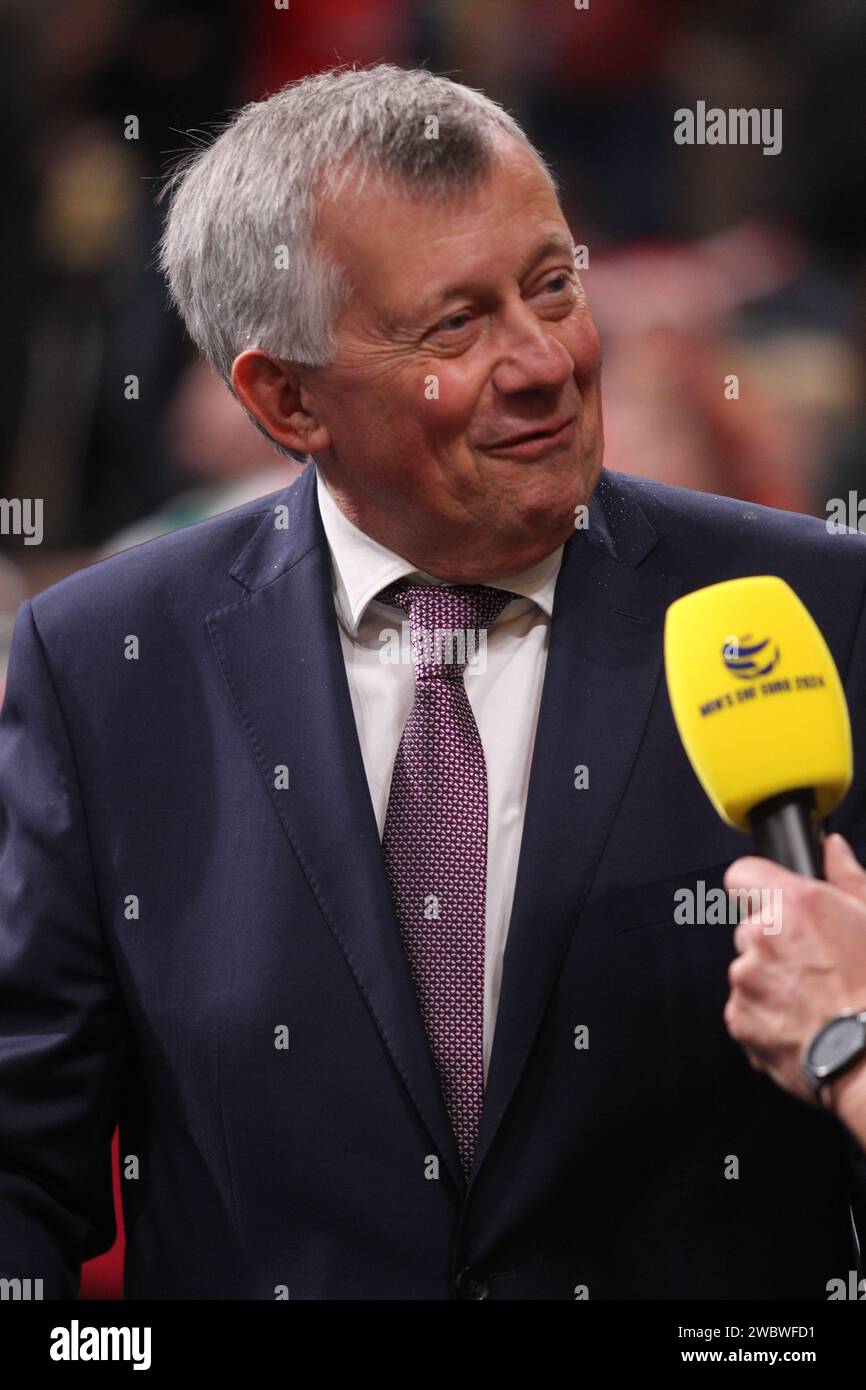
[361, 567]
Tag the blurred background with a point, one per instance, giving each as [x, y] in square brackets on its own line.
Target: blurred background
[704, 261]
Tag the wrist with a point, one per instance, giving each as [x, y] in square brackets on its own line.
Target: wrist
[845, 1095]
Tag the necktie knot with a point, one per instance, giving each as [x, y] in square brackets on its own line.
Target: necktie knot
[448, 622]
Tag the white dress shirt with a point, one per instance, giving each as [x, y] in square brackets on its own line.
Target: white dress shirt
[504, 692]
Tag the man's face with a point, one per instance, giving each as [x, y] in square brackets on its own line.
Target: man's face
[430, 379]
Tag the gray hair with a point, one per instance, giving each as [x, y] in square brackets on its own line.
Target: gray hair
[238, 247]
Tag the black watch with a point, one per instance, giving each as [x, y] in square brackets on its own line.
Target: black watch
[834, 1048]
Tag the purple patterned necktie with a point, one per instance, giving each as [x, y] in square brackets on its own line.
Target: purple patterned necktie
[435, 837]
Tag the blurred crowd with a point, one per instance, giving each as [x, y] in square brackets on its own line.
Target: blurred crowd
[707, 264]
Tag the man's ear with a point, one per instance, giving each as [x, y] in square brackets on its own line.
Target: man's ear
[271, 390]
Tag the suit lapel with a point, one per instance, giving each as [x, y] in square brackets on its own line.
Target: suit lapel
[604, 663]
[279, 650]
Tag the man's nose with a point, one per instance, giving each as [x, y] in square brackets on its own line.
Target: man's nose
[532, 357]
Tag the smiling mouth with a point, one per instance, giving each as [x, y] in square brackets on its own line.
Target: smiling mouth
[535, 438]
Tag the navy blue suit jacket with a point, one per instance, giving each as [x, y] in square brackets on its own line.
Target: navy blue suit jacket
[167, 908]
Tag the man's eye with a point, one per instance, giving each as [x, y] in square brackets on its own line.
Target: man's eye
[455, 319]
[563, 276]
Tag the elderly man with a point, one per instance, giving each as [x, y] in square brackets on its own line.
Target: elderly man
[342, 831]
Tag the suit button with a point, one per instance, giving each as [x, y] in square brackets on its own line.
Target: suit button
[473, 1283]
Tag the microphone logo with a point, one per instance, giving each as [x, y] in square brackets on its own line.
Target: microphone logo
[747, 659]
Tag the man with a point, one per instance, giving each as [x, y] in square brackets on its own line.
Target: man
[375, 959]
[798, 1002]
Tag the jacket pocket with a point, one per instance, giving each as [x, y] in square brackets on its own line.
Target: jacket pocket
[683, 899]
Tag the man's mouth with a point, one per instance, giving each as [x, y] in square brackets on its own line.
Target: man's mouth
[530, 442]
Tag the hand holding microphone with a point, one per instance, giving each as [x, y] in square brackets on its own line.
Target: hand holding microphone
[762, 714]
[797, 997]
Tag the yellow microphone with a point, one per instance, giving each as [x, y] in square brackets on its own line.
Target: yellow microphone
[762, 714]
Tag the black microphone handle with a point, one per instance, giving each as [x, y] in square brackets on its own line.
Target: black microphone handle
[788, 829]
